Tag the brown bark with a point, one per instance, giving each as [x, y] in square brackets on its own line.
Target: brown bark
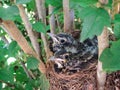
[103, 43]
[51, 19]
[42, 16]
[28, 27]
[72, 20]
[22, 42]
[103, 1]
[66, 11]
[58, 24]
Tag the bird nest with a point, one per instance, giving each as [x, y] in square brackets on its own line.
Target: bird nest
[85, 79]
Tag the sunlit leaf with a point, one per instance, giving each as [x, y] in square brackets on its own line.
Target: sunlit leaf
[94, 20]
[32, 63]
[39, 27]
[9, 13]
[110, 57]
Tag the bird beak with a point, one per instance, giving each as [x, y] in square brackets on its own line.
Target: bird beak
[53, 36]
[57, 59]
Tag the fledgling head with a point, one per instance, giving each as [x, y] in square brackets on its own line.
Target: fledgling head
[63, 41]
[60, 60]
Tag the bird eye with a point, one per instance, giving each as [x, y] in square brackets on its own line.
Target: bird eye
[66, 56]
[62, 40]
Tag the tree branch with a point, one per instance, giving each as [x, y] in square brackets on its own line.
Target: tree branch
[72, 20]
[26, 71]
[28, 27]
[52, 19]
[103, 1]
[42, 16]
[58, 24]
[103, 42]
[22, 42]
[67, 23]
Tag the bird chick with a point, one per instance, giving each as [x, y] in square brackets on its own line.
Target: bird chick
[63, 44]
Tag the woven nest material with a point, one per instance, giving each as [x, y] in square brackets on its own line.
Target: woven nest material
[83, 80]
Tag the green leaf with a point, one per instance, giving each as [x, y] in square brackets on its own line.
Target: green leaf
[31, 5]
[2, 34]
[110, 57]
[22, 1]
[94, 20]
[20, 75]
[44, 83]
[13, 48]
[85, 3]
[3, 51]
[39, 27]
[117, 26]
[117, 30]
[32, 63]
[9, 13]
[117, 18]
[110, 4]
[55, 3]
[0, 86]
[28, 86]
[6, 76]
[19, 86]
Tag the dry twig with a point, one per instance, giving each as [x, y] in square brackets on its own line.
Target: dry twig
[51, 19]
[28, 27]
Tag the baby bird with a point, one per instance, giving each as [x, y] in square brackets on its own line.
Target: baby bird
[64, 43]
